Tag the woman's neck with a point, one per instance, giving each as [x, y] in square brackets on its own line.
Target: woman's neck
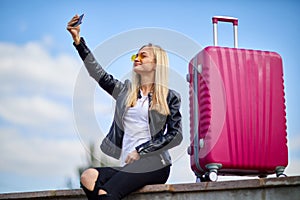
[147, 87]
[147, 84]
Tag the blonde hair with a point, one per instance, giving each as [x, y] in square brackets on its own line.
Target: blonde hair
[160, 90]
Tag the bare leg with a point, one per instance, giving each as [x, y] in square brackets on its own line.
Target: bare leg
[102, 192]
[88, 179]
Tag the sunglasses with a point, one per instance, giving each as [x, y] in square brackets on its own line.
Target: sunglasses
[137, 56]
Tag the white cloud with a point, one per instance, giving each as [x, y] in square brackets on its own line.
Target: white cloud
[37, 137]
[33, 111]
[181, 171]
[48, 41]
[36, 87]
[294, 143]
[31, 67]
[37, 157]
[293, 168]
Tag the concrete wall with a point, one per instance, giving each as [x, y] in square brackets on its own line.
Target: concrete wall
[287, 188]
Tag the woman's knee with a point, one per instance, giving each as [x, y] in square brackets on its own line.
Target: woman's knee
[88, 178]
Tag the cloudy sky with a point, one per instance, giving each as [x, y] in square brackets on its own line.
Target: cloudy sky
[50, 110]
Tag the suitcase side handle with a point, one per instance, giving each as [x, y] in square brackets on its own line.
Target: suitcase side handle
[233, 20]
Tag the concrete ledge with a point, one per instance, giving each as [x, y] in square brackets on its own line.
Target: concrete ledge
[268, 188]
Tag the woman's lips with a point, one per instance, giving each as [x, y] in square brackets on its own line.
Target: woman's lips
[137, 64]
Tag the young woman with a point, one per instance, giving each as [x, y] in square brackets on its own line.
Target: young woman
[147, 122]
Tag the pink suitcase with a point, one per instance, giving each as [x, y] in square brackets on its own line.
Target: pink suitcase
[237, 111]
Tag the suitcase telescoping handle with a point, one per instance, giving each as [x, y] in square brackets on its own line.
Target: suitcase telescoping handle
[233, 20]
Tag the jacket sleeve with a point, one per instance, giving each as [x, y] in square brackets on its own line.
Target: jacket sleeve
[105, 80]
[173, 135]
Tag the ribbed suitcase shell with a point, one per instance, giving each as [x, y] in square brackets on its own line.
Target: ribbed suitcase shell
[239, 105]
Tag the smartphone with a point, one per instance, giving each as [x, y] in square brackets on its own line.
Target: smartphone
[79, 21]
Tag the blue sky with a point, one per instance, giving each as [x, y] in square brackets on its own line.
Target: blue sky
[45, 114]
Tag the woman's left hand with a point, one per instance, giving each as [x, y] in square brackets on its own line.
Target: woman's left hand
[133, 156]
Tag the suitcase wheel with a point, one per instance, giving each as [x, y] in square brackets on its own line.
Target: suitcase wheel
[213, 168]
[212, 176]
[280, 171]
[281, 175]
[207, 177]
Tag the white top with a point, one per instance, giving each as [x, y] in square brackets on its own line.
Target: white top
[136, 127]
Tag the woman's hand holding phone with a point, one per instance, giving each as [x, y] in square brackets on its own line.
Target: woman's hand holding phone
[73, 27]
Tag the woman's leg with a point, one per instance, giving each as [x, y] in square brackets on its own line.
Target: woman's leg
[116, 183]
[88, 178]
[87, 181]
[92, 178]
[132, 177]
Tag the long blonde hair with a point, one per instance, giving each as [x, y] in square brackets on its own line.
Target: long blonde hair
[160, 90]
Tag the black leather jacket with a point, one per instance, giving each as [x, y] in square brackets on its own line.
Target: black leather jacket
[166, 131]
